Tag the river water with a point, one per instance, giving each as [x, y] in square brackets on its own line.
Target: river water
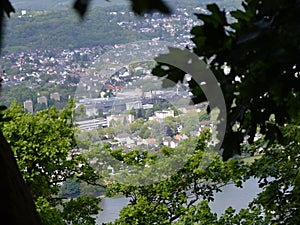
[238, 198]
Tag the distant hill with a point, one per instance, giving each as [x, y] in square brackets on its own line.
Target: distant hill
[59, 4]
[67, 4]
[63, 28]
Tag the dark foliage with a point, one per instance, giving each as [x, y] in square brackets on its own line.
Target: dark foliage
[138, 6]
[5, 7]
[141, 6]
[262, 50]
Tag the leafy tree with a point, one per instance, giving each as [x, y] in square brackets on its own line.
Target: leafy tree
[176, 197]
[70, 189]
[189, 123]
[91, 190]
[106, 132]
[183, 198]
[261, 92]
[278, 171]
[261, 48]
[39, 107]
[203, 116]
[145, 132]
[78, 211]
[16, 202]
[25, 212]
[42, 145]
[169, 131]
[136, 125]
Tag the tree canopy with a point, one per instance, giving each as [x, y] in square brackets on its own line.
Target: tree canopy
[43, 144]
[261, 48]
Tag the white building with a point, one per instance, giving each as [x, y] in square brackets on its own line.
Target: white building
[55, 96]
[42, 99]
[28, 105]
[91, 124]
[161, 115]
[122, 118]
[134, 105]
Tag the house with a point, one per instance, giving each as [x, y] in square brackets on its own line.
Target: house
[167, 141]
[174, 143]
[161, 115]
[151, 141]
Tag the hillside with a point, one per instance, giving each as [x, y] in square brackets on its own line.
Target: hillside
[59, 4]
[64, 29]
[50, 5]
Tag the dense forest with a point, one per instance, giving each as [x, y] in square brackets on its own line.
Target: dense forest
[63, 29]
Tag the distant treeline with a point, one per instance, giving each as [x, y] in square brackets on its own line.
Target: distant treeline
[64, 29]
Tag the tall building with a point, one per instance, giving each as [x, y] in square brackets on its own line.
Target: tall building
[134, 105]
[28, 105]
[55, 96]
[42, 99]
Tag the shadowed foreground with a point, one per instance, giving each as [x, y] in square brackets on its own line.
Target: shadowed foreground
[17, 207]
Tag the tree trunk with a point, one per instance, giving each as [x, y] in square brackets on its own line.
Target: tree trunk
[16, 204]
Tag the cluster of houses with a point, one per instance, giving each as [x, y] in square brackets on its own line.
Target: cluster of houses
[60, 66]
[53, 65]
[177, 25]
[130, 140]
[63, 64]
